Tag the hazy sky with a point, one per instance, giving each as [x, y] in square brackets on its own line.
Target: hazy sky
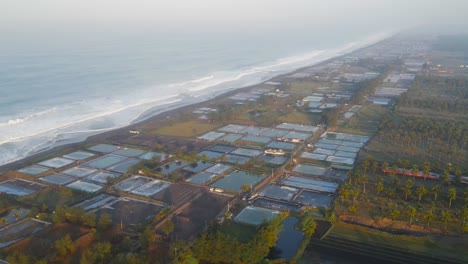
[237, 13]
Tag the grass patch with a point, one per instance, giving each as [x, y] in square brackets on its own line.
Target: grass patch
[240, 232]
[441, 246]
[364, 122]
[296, 117]
[184, 129]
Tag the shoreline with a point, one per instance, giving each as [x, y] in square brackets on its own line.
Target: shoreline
[155, 114]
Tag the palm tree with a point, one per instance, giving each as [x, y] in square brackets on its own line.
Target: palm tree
[446, 177]
[394, 169]
[411, 213]
[350, 177]
[385, 166]
[344, 193]
[426, 169]
[407, 188]
[362, 179]
[458, 174]
[394, 214]
[354, 193]
[380, 185]
[436, 190]
[464, 217]
[365, 165]
[452, 195]
[352, 210]
[446, 217]
[375, 166]
[421, 190]
[429, 217]
[415, 169]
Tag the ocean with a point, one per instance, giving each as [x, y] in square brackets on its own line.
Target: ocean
[61, 87]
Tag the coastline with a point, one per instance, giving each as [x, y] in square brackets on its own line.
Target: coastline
[159, 113]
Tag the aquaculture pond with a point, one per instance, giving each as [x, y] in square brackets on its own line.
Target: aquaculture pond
[289, 240]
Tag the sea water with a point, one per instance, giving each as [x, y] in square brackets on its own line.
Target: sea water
[60, 87]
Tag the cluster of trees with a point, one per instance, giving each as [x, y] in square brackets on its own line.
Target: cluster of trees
[420, 201]
[76, 215]
[437, 93]
[441, 140]
[215, 246]
[364, 89]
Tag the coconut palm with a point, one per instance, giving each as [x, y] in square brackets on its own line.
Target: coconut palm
[362, 180]
[436, 190]
[421, 190]
[394, 214]
[380, 185]
[452, 195]
[355, 194]
[407, 188]
[411, 213]
[428, 217]
[446, 217]
[426, 169]
[385, 166]
[352, 210]
[415, 169]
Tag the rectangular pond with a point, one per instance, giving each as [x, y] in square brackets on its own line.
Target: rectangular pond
[231, 138]
[103, 176]
[314, 199]
[279, 192]
[252, 215]
[310, 169]
[58, 179]
[84, 186]
[222, 148]
[79, 172]
[96, 201]
[79, 155]
[129, 152]
[219, 168]
[198, 166]
[313, 156]
[151, 188]
[276, 205]
[201, 178]
[132, 183]
[57, 162]
[311, 184]
[171, 167]
[273, 133]
[124, 166]
[247, 152]
[105, 161]
[34, 170]
[274, 159]
[234, 180]
[236, 159]
[210, 154]
[232, 128]
[210, 136]
[104, 148]
[19, 187]
[281, 145]
[298, 127]
[256, 139]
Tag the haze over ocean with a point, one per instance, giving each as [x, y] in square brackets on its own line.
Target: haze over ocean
[60, 87]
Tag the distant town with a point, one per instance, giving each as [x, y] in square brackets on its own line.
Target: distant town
[363, 156]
